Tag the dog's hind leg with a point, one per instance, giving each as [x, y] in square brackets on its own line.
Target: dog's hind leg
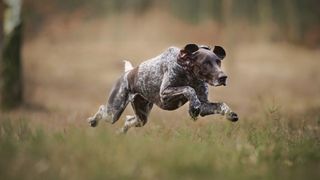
[141, 109]
[100, 114]
[117, 102]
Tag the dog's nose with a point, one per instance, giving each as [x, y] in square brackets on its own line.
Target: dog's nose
[222, 79]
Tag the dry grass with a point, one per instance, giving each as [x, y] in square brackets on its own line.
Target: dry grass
[271, 147]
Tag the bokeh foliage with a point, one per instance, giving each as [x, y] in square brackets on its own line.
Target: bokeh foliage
[296, 19]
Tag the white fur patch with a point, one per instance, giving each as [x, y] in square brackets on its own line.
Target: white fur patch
[127, 66]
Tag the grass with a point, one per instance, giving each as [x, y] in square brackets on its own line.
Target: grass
[271, 146]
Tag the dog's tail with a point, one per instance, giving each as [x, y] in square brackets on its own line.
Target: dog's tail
[127, 66]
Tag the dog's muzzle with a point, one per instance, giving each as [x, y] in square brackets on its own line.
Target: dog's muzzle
[222, 80]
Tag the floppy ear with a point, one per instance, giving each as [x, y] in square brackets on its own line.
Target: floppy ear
[219, 51]
[186, 58]
[190, 48]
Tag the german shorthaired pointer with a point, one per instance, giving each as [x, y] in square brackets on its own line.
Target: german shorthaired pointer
[169, 80]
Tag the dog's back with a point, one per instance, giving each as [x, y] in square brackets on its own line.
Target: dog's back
[146, 78]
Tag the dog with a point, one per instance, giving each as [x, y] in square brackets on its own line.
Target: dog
[169, 81]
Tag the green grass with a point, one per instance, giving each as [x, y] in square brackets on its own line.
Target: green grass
[268, 147]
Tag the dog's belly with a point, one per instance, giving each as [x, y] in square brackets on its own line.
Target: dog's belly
[172, 103]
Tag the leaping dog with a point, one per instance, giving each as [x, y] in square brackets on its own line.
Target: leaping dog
[169, 80]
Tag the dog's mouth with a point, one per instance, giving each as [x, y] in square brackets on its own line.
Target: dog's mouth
[216, 83]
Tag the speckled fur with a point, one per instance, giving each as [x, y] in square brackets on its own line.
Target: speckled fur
[162, 81]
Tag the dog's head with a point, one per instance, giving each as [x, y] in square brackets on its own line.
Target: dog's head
[204, 63]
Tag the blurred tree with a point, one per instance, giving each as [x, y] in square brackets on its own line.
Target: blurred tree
[1, 27]
[265, 18]
[229, 32]
[292, 20]
[264, 10]
[216, 10]
[11, 70]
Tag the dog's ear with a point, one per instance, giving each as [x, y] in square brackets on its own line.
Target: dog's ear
[186, 59]
[219, 51]
[190, 48]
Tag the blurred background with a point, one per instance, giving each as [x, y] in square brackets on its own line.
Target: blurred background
[73, 51]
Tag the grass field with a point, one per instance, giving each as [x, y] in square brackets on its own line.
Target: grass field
[270, 147]
[70, 66]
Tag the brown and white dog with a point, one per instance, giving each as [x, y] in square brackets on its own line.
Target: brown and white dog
[169, 80]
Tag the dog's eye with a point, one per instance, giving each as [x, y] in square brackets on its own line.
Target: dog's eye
[219, 62]
[207, 63]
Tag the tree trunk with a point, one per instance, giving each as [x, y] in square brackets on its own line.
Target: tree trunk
[265, 19]
[292, 21]
[1, 29]
[227, 6]
[11, 67]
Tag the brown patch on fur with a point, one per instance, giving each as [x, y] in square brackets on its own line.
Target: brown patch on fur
[132, 78]
[186, 61]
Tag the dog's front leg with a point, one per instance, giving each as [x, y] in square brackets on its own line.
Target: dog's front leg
[171, 93]
[218, 108]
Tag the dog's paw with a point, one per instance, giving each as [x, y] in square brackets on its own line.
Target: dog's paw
[194, 109]
[92, 122]
[232, 116]
[194, 112]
